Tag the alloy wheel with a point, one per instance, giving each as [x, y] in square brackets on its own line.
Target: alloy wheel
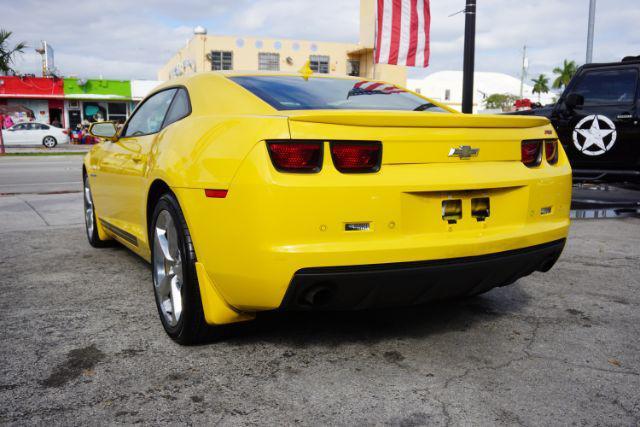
[167, 268]
[49, 142]
[88, 209]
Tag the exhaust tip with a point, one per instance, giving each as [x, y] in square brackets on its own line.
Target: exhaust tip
[317, 296]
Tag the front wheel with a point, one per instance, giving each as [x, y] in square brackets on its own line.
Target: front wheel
[49, 142]
[175, 282]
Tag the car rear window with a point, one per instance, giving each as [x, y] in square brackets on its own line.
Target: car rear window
[317, 93]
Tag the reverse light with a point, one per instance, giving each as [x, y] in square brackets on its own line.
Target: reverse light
[551, 151]
[356, 157]
[296, 156]
[531, 152]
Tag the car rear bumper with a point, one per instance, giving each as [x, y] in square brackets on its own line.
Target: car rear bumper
[410, 283]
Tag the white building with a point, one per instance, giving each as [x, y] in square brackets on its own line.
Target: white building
[446, 87]
[141, 88]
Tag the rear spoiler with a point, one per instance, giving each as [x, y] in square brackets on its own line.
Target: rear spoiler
[413, 119]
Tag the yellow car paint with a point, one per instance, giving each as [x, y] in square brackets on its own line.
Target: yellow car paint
[271, 224]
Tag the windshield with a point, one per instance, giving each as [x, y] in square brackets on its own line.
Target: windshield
[314, 93]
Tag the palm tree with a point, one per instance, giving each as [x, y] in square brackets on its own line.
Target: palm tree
[564, 73]
[540, 85]
[8, 54]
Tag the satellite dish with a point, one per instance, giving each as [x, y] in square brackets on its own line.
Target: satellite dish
[82, 82]
[200, 30]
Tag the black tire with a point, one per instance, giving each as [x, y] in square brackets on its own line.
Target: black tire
[49, 141]
[191, 327]
[92, 232]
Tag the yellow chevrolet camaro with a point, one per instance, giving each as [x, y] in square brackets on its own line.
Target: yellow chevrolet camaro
[252, 192]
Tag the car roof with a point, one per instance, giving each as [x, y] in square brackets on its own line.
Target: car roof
[182, 81]
[628, 60]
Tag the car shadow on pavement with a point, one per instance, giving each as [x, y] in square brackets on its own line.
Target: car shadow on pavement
[370, 326]
[330, 328]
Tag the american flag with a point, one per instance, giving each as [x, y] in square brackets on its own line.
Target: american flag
[366, 87]
[402, 32]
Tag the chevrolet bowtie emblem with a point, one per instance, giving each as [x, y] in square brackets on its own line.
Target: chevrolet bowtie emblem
[465, 152]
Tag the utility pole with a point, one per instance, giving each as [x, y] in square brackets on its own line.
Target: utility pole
[523, 74]
[469, 56]
[592, 19]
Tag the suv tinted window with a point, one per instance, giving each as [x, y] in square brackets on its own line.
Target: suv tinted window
[149, 117]
[180, 108]
[608, 87]
[318, 93]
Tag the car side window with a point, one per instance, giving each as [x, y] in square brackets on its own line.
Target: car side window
[149, 117]
[608, 87]
[40, 126]
[19, 127]
[29, 126]
[180, 108]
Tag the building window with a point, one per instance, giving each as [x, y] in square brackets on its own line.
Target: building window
[268, 61]
[353, 67]
[117, 112]
[221, 60]
[319, 63]
[447, 94]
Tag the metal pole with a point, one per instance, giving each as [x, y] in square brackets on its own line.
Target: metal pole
[469, 55]
[523, 74]
[592, 18]
[1, 141]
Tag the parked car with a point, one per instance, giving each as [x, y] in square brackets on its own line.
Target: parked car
[260, 192]
[598, 121]
[34, 133]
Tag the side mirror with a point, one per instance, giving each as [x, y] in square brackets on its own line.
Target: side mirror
[105, 130]
[574, 100]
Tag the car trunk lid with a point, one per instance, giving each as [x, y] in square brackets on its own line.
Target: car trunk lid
[410, 137]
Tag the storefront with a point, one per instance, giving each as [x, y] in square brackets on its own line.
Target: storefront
[93, 100]
[42, 96]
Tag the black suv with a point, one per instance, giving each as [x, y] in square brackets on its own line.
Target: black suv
[598, 121]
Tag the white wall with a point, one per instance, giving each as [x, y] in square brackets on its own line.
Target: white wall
[141, 88]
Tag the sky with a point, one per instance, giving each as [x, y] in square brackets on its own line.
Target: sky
[131, 39]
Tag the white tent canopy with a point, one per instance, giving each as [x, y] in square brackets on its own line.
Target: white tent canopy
[446, 87]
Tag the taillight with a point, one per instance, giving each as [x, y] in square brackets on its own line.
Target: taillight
[551, 151]
[531, 151]
[296, 156]
[356, 157]
[64, 131]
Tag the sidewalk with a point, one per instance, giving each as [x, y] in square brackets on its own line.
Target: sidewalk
[27, 212]
[62, 148]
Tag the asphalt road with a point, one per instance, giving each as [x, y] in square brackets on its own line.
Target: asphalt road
[39, 174]
[81, 343]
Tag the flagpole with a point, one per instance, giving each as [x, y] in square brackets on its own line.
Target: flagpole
[469, 55]
[592, 18]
